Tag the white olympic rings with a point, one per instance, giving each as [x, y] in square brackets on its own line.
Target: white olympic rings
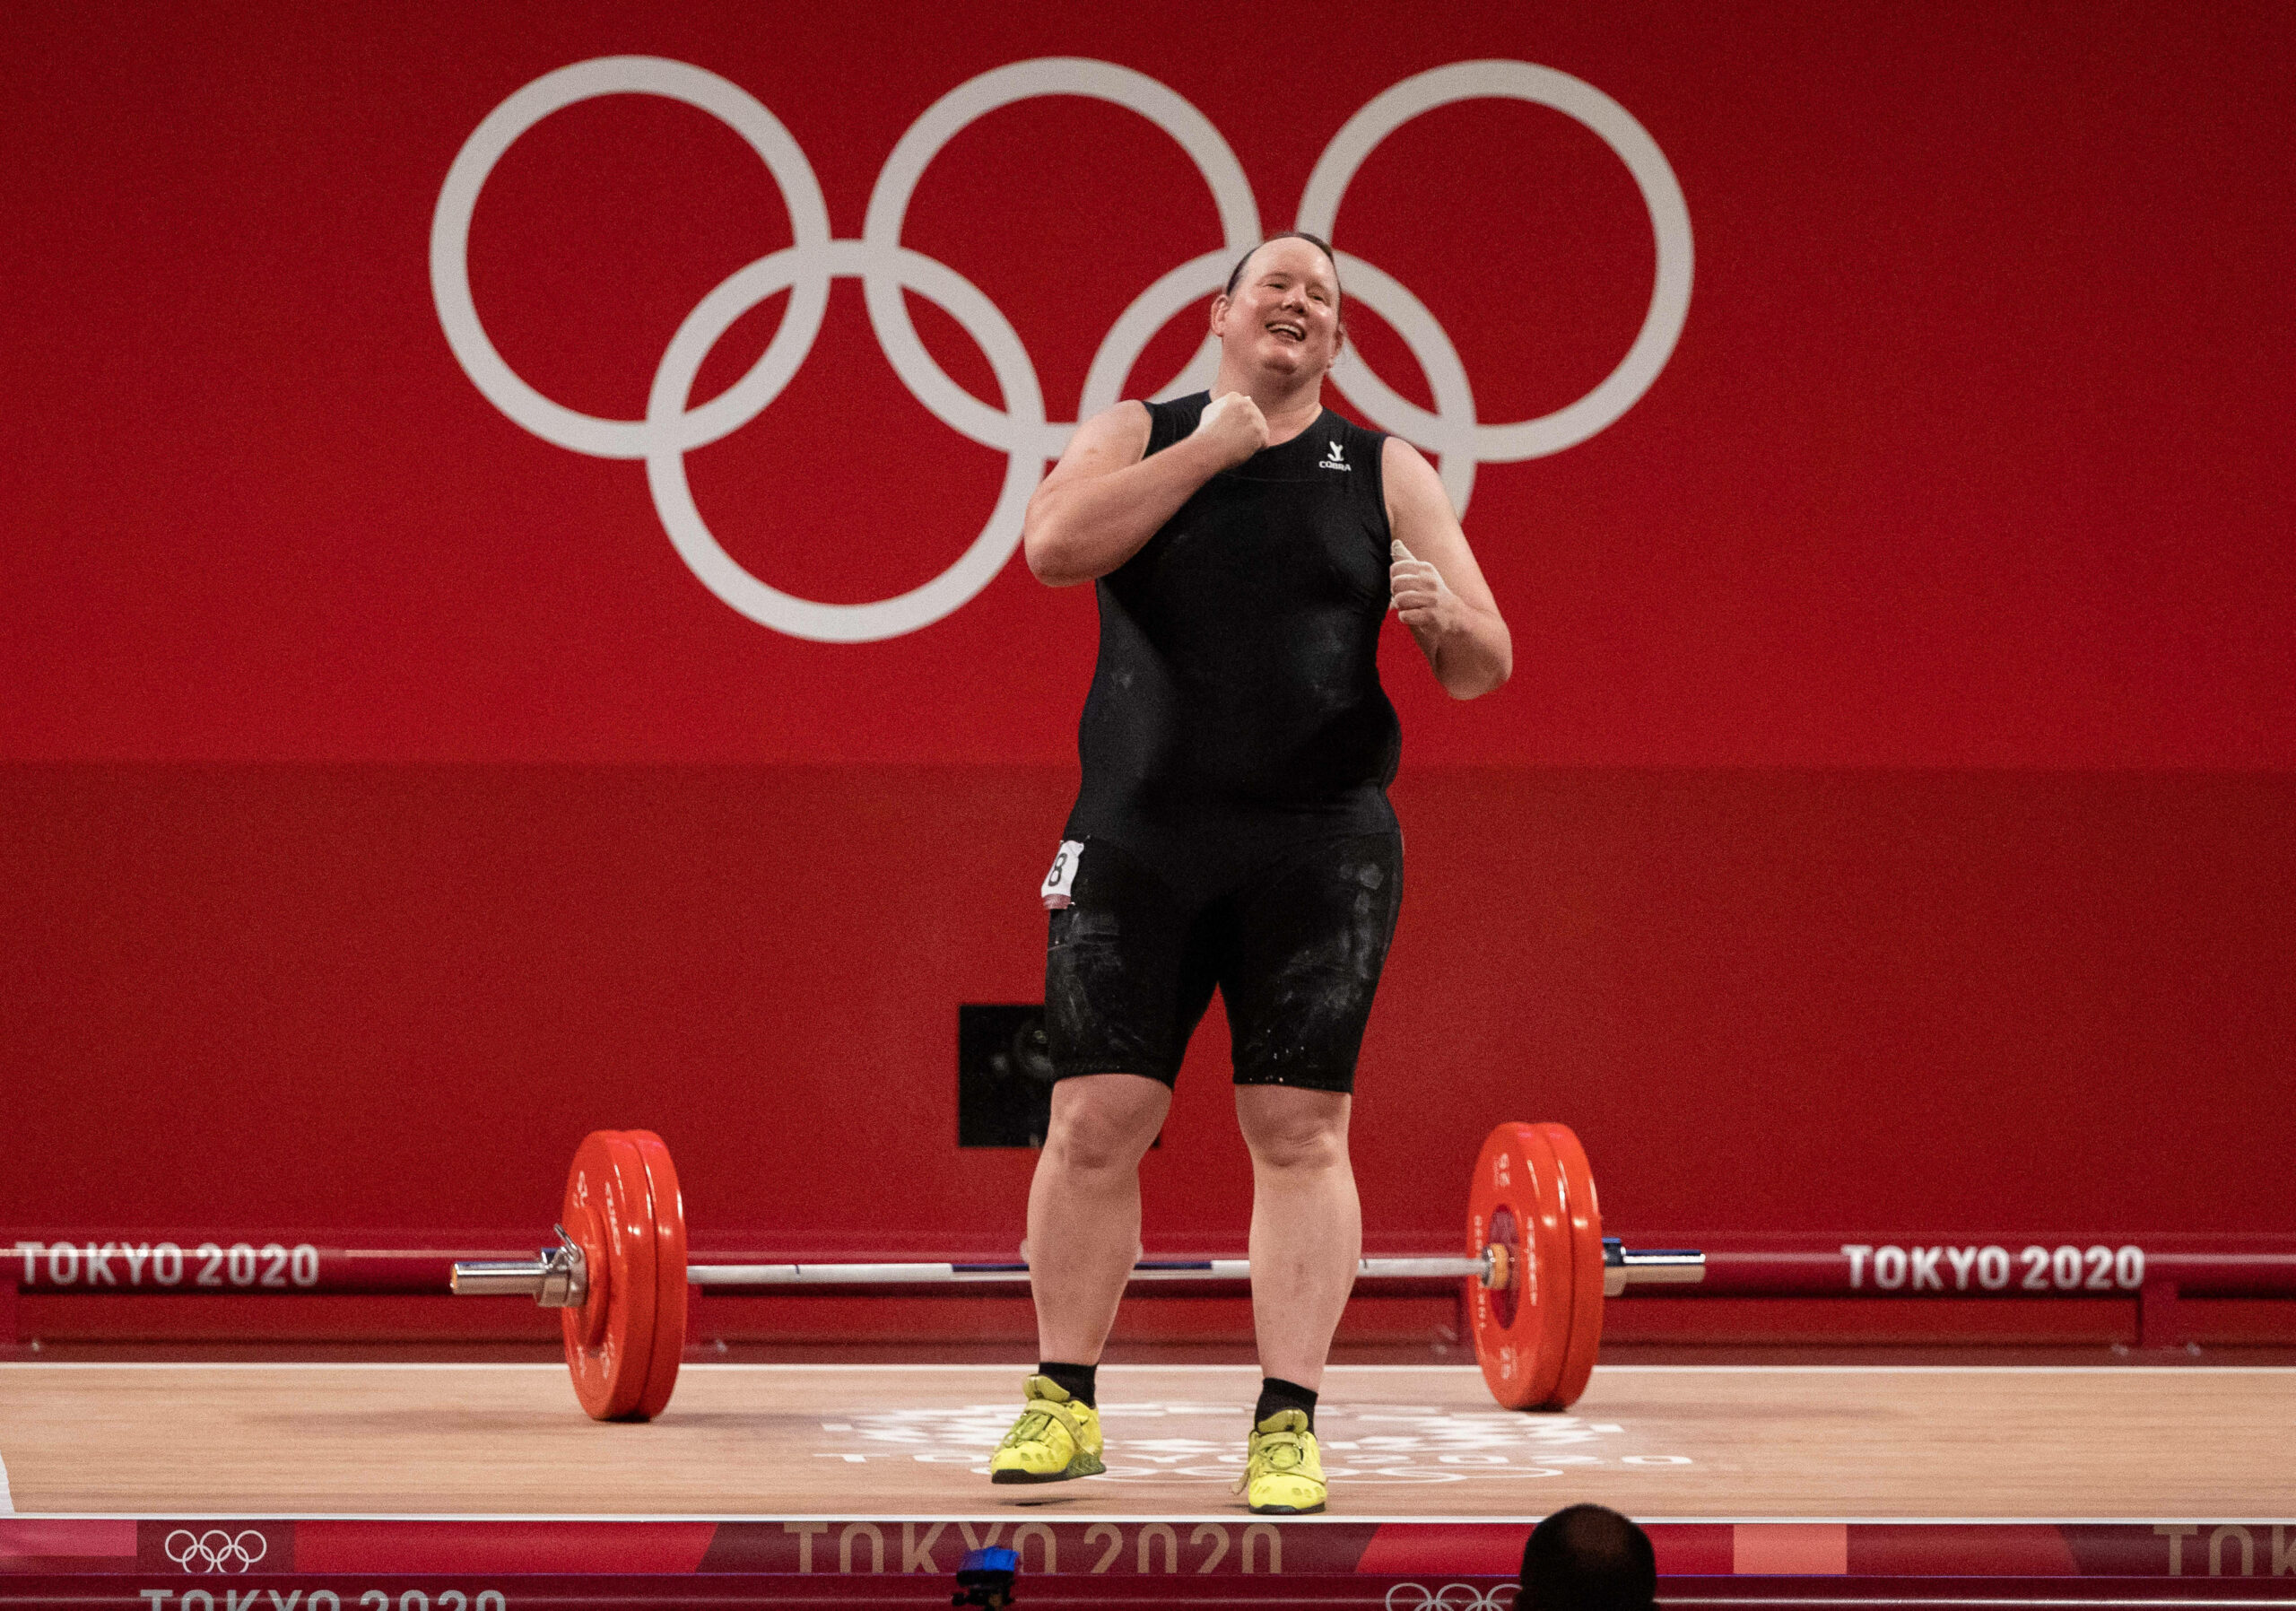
[1450, 1596]
[1021, 430]
[215, 1550]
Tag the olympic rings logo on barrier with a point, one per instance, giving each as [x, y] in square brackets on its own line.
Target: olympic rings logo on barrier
[1451, 1596]
[1021, 430]
[215, 1550]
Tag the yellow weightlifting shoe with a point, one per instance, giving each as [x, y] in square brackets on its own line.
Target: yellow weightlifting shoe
[1283, 1473]
[1054, 1438]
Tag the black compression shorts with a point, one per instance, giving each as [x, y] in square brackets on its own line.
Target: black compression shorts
[1295, 949]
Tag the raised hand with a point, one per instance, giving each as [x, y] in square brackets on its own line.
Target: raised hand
[1234, 427]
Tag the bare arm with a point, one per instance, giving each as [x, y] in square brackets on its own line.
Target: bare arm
[1436, 585]
[1103, 500]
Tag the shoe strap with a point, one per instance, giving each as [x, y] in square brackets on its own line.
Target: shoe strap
[1267, 1450]
[1276, 1447]
[1279, 1452]
[1036, 1419]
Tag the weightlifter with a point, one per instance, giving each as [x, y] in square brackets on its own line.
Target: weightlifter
[1233, 829]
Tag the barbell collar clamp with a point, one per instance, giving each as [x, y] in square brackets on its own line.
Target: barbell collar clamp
[1624, 1267]
[554, 1278]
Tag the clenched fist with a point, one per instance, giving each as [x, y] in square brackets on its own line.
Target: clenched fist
[1234, 427]
[1417, 593]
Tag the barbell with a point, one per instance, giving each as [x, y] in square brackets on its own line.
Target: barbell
[1536, 1270]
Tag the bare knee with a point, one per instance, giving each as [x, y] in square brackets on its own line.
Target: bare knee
[1105, 1122]
[1289, 1129]
[1094, 1145]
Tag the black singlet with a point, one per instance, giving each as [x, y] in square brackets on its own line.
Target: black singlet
[1236, 710]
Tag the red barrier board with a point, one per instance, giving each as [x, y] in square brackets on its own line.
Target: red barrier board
[1437, 1591]
[2020, 1266]
[1169, 1551]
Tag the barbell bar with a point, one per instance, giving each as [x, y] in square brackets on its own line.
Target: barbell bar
[554, 1280]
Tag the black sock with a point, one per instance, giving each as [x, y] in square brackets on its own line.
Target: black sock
[1075, 1380]
[1277, 1394]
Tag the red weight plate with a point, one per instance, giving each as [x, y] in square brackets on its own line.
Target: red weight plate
[1490, 1220]
[586, 1326]
[669, 1274]
[1515, 1199]
[638, 1266]
[1585, 1218]
[1549, 1279]
[609, 1356]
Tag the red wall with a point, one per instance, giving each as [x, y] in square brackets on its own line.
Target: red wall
[1973, 451]
[1852, 1002]
[1887, 827]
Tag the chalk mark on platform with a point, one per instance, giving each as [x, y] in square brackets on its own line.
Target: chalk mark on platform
[1153, 1440]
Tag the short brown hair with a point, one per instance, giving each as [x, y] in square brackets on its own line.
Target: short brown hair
[1237, 274]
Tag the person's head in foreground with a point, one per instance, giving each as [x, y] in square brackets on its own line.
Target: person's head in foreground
[1588, 1558]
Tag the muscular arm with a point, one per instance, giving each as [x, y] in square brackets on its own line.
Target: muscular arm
[1103, 500]
[1437, 586]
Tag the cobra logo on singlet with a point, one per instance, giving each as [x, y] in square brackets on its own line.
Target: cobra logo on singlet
[1021, 430]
